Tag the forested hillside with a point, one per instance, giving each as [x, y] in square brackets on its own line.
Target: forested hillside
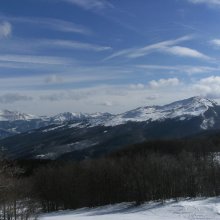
[155, 170]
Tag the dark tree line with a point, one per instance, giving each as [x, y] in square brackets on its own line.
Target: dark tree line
[137, 178]
[15, 199]
[156, 170]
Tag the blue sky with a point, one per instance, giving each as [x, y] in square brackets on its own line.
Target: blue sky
[106, 55]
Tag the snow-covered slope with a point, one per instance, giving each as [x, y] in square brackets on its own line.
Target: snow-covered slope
[6, 115]
[79, 136]
[94, 118]
[191, 209]
[68, 116]
[183, 109]
[15, 122]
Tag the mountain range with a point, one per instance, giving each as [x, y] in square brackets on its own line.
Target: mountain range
[79, 135]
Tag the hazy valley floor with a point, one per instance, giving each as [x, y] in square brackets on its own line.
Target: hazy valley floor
[189, 209]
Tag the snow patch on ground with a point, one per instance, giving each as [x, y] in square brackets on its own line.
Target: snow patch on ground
[207, 123]
[188, 209]
[53, 129]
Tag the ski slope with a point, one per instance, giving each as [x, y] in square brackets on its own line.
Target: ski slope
[188, 209]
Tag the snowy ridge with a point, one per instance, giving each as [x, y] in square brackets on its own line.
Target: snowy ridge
[68, 116]
[72, 116]
[183, 109]
[6, 115]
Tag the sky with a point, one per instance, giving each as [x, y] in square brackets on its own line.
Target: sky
[107, 55]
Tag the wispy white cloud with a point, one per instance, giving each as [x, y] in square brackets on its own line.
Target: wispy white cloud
[185, 52]
[22, 46]
[137, 86]
[50, 23]
[215, 42]
[161, 83]
[23, 66]
[169, 47]
[5, 29]
[207, 2]
[99, 98]
[47, 80]
[106, 103]
[181, 68]
[35, 59]
[53, 79]
[138, 52]
[10, 98]
[91, 4]
[72, 45]
[71, 95]
[122, 98]
[209, 86]
[152, 97]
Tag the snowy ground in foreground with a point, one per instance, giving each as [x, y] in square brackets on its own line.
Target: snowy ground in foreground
[187, 209]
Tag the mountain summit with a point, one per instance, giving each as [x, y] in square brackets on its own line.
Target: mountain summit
[79, 136]
[13, 122]
[6, 115]
[183, 109]
[194, 106]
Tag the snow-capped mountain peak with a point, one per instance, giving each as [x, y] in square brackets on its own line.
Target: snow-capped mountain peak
[6, 115]
[90, 134]
[193, 102]
[75, 117]
[183, 109]
[68, 116]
